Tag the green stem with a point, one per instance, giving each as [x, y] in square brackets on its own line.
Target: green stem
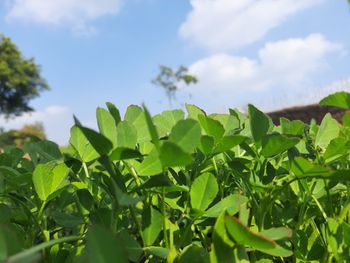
[31, 251]
[166, 239]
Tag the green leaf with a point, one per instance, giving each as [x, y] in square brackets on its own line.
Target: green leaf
[99, 142]
[206, 144]
[203, 191]
[103, 247]
[211, 127]
[244, 236]
[222, 247]
[231, 204]
[194, 254]
[126, 135]
[167, 120]
[81, 145]
[124, 154]
[151, 165]
[274, 144]
[193, 111]
[49, 150]
[338, 99]
[132, 247]
[172, 155]
[49, 178]
[229, 122]
[113, 110]
[295, 127]
[152, 129]
[260, 123]
[328, 130]
[152, 220]
[135, 116]
[106, 125]
[160, 252]
[277, 233]
[186, 134]
[228, 142]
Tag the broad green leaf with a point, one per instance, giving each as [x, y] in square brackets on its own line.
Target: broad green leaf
[277, 233]
[167, 120]
[260, 123]
[151, 165]
[304, 168]
[222, 247]
[203, 191]
[206, 144]
[106, 125]
[132, 247]
[124, 154]
[135, 116]
[49, 178]
[328, 130]
[274, 144]
[228, 142]
[82, 146]
[186, 134]
[229, 122]
[113, 110]
[152, 129]
[337, 148]
[160, 252]
[295, 127]
[338, 99]
[193, 111]
[172, 155]
[231, 204]
[126, 135]
[211, 127]
[99, 142]
[103, 247]
[194, 254]
[244, 236]
[152, 221]
[49, 150]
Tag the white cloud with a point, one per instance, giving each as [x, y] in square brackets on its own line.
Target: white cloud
[282, 68]
[230, 24]
[75, 13]
[57, 121]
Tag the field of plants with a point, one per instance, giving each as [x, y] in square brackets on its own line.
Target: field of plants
[181, 187]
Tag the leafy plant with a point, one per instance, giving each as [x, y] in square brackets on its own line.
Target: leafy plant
[177, 188]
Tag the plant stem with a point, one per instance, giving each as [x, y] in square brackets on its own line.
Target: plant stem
[27, 253]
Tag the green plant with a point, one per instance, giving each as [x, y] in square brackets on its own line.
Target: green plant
[169, 80]
[170, 188]
[20, 79]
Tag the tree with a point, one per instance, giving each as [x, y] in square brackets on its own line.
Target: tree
[20, 79]
[19, 137]
[169, 79]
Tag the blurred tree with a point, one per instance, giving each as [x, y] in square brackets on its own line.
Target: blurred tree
[169, 80]
[20, 80]
[19, 137]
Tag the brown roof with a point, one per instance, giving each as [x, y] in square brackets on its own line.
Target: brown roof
[307, 113]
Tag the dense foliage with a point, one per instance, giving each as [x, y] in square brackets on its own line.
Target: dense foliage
[176, 188]
[20, 79]
[21, 136]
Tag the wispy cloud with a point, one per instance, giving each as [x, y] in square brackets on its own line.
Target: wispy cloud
[76, 14]
[223, 25]
[282, 67]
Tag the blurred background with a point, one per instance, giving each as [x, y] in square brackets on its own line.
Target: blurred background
[217, 54]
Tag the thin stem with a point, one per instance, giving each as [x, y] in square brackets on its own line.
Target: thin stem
[166, 239]
[27, 253]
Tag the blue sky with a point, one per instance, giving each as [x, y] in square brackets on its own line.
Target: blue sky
[273, 53]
